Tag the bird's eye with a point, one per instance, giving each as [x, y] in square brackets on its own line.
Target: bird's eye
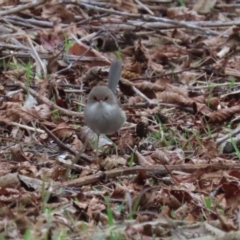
[95, 98]
[106, 98]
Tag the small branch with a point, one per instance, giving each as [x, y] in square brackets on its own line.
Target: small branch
[228, 136]
[145, 17]
[46, 101]
[100, 9]
[144, 7]
[20, 8]
[27, 127]
[138, 92]
[65, 147]
[181, 23]
[38, 59]
[45, 56]
[156, 169]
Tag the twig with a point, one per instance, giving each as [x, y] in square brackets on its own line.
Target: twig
[144, 7]
[45, 56]
[156, 169]
[164, 24]
[27, 127]
[20, 8]
[100, 9]
[229, 135]
[69, 164]
[155, 104]
[180, 23]
[164, 74]
[138, 92]
[224, 5]
[92, 18]
[46, 101]
[15, 47]
[64, 146]
[37, 58]
[25, 22]
[80, 57]
[71, 64]
[146, 17]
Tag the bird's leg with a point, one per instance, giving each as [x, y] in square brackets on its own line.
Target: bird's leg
[97, 142]
[98, 159]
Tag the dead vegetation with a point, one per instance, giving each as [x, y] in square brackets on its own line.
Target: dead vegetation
[173, 170]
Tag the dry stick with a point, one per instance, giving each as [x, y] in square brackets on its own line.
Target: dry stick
[79, 57]
[27, 127]
[155, 104]
[62, 145]
[6, 31]
[25, 22]
[223, 5]
[46, 101]
[148, 17]
[165, 74]
[34, 22]
[72, 165]
[57, 140]
[145, 25]
[20, 8]
[138, 92]
[185, 24]
[202, 24]
[71, 64]
[180, 23]
[45, 56]
[229, 135]
[132, 25]
[144, 7]
[156, 169]
[16, 30]
[92, 18]
[231, 93]
[22, 22]
[37, 58]
[14, 47]
[100, 9]
[19, 21]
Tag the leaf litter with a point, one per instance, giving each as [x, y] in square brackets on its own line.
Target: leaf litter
[171, 172]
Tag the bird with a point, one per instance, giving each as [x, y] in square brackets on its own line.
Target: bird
[103, 113]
